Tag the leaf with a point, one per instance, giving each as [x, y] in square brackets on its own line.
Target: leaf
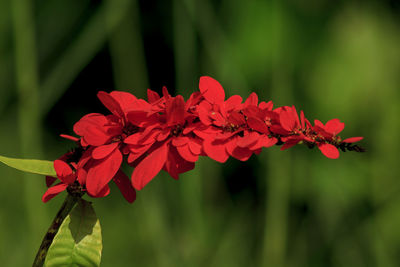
[43, 167]
[78, 241]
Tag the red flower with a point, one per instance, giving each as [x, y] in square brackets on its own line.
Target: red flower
[106, 135]
[168, 136]
[290, 128]
[64, 174]
[327, 139]
[73, 176]
[231, 128]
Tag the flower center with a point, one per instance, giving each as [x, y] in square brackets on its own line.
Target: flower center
[130, 129]
[176, 130]
[230, 127]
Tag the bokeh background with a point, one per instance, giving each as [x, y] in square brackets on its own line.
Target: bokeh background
[333, 59]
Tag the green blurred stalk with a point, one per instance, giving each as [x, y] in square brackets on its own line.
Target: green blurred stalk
[130, 73]
[184, 49]
[278, 171]
[276, 214]
[27, 84]
[126, 46]
[89, 42]
[215, 41]
[278, 174]
[186, 82]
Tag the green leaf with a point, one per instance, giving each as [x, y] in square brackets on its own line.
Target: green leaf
[43, 167]
[78, 241]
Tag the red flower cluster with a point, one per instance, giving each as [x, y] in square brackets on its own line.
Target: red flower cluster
[170, 133]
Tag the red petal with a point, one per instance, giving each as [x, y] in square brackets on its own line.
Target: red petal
[204, 115]
[180, 140]
[138, 117]
[64, 172]
[152, 96]
[248, 139]
[149, 167]
[290, 143]
[239, 153]
[319, 124]
[125, 100]
[163, 134]
[190, 127]
[103, 151]
[165, 92]
[195, 146]
[62, 168]
[102, 172]
[96, 136]
[92, 119]
[82, 174]
[193, 100]
[133, 139]
[186, 154]
[103, 192]
[110, 103]
[334, 126]
[257, 124]
[265, 141]
[329, 150]
[287, 120]
[236, 118]
[352, 139]
[53, 191]
[175, 164]
[296, 116]
[302, 120]
[233, 102]
[66, 136]
[211, 90]
[137, 151]
[125, 186]
[149, 137]
[252, 100]
[216, 150]
[266, 106]
[175, 111]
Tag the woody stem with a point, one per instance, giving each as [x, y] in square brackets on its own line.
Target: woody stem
[65, 209]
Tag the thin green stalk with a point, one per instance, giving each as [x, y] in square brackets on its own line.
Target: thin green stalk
[278, 172]
[185, 49]
[65, 209]
[215, 40]
[276, 215]
[126, 46]
[27, 85]
[192, 186]
[78, 55]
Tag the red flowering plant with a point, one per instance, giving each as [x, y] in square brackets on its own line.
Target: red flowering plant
[164, 133]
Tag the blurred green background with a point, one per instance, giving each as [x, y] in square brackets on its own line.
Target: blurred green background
[333, 59]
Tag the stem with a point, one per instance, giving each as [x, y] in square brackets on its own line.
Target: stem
[65, 209]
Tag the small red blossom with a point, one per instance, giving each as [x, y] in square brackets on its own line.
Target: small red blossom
[171, 146]
[65, 174]
[106, 134]
[233, 128]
